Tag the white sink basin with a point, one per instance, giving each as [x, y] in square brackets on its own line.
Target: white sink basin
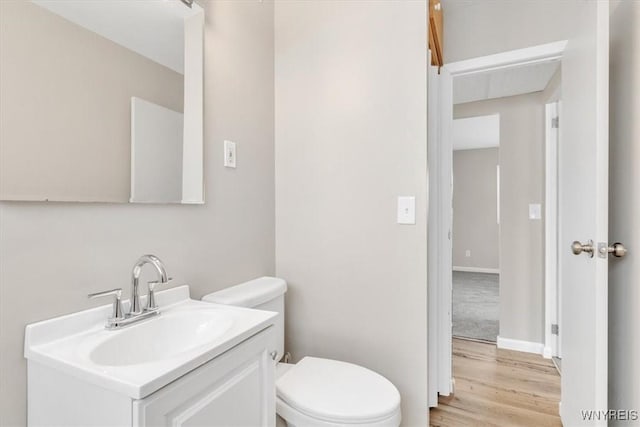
[170, 334]
[144, 357]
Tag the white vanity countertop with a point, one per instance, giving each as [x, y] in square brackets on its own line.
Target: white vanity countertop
[144, 357]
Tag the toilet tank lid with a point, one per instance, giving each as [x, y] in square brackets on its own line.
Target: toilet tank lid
[249, 294]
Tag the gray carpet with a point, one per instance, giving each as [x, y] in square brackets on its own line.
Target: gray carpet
[475, 305]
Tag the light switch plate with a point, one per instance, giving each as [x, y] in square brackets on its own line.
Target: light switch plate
[230, 154]
[535, 211]
[406, 210]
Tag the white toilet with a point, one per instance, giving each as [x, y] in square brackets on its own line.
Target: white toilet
[317, 392]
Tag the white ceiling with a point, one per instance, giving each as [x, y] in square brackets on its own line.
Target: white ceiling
[476, 132]
[503, 82]
[152, 28]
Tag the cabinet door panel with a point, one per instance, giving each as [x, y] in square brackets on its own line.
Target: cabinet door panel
[235, 389]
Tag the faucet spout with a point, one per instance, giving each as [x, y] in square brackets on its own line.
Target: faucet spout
[135, 277]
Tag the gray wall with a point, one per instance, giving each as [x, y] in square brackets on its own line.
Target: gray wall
[477, 27]
[624, 206]
[52, 255]
[475, 200]
[65, 112]
[521, 259]
[351, 137]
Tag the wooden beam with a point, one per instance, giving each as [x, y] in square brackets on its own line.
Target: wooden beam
[435, 32]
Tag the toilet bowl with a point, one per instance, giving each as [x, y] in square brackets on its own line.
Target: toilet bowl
[316, 392]
[324, 392]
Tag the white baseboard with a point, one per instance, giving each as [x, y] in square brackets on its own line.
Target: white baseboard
[477, 270]
[519, 345]
[547, 353]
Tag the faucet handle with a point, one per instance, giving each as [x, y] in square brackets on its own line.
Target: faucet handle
[117, 303]
[151, 299]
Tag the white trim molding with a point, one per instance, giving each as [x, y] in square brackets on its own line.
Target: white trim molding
[519, 345]
[513, 58]
[476, 269]
[439, 253]
[551, 289]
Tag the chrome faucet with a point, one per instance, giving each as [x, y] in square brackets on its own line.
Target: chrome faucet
[135, 276]
[119, 319]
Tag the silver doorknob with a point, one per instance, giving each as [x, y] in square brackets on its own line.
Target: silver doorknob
[617, 250]
[577, 248]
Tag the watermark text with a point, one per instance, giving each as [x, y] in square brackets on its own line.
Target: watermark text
[610, 415]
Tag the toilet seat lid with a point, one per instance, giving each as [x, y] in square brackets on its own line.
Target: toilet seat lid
[331, 390]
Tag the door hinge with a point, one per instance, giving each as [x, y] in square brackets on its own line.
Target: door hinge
[555, 122]
[555, 329]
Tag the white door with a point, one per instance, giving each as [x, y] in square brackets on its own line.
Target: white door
[583, 200]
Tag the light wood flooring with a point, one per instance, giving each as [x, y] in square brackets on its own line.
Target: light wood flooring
[499, 388]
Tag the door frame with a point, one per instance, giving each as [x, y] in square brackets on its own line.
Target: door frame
[440, 198]
[552, 291]
[439, 252]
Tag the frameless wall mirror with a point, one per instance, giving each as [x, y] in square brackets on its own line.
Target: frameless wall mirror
[101, 101]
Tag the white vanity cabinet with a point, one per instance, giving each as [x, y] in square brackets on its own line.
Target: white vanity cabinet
[194, 364]
[236, 388]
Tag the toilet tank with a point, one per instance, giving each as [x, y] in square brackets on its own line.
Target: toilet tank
[265, 293]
